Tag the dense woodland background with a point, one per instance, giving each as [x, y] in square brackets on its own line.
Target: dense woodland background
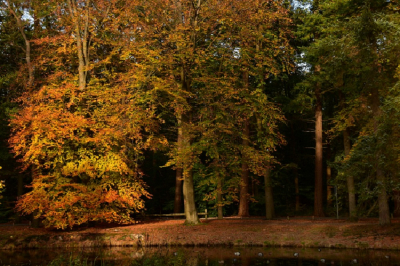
[112, 108]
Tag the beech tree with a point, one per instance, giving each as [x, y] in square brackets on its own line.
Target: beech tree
[262, 35]
[84, 129]
[197, 43]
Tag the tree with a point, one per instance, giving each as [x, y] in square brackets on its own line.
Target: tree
[373, 43]
[261, 34]
[85, 127]
[351, 54]
[18, 75]
[311, 30]
[13, 9]
[197, 72]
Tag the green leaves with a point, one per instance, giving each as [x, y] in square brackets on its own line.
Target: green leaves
[351, 60]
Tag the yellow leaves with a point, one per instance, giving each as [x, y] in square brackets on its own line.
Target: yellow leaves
[79, 139]
[85, 142]
[397, 75]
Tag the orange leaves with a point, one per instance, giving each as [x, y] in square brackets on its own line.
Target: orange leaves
[61, 198]
[84, 128]
[110, 196]
[111, 71]
[68, 204]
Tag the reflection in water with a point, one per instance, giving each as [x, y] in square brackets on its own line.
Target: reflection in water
[198, 256]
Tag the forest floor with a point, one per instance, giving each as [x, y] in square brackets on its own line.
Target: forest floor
[293, 232]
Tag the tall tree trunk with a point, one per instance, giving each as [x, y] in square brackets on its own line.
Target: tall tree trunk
[295, 169]
[328, 178]
[269, 200]
[318, 197]
[82, 39]
[396, 199]
[244, 179]
[178, 175]
[28, 63]
[296, 186]
[184, 148]
[188, 197]
[384, 213]
[349, 178]
[219, 198]
[184, 144]
[178, 190]
[82, 65]
[328, 186]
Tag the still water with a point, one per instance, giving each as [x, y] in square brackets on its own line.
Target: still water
[199, 256]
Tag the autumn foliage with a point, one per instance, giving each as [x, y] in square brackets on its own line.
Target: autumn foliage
[82, 143]
[106, 75]
[106, 102]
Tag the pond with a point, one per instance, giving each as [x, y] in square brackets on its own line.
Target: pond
[198, 256]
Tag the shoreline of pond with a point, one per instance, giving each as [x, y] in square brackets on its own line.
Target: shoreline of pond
[127, 255]
[299, 232]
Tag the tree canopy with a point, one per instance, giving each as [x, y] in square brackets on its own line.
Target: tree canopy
[110, 107]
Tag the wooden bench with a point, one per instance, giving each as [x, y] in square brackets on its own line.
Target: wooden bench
[205, 214]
